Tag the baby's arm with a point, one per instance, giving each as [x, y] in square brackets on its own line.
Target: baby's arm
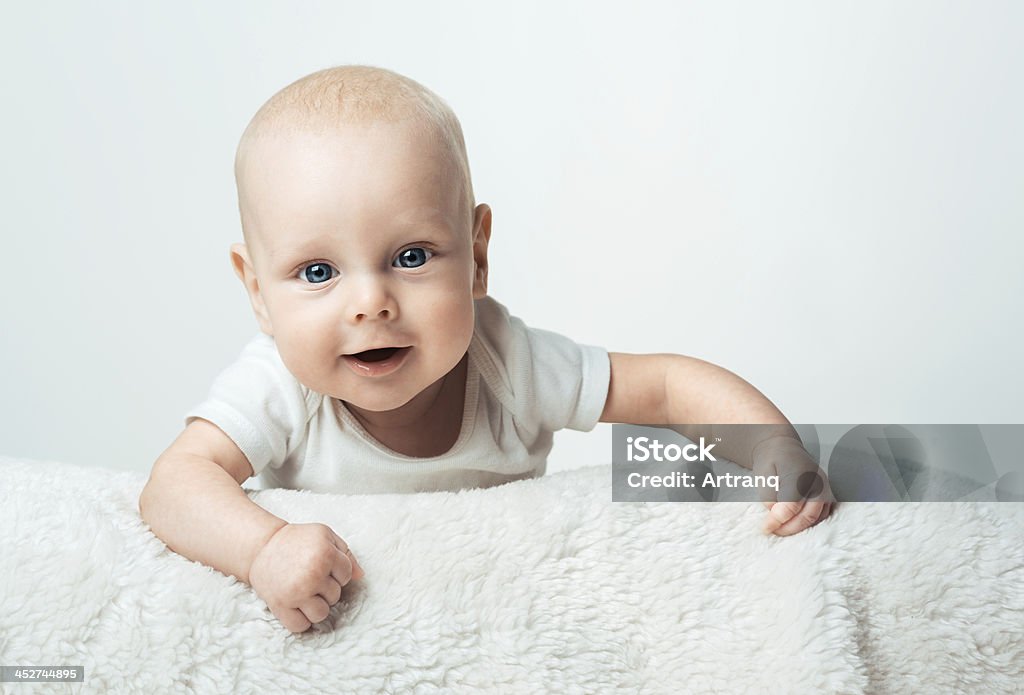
[194, 503]
[676, 390]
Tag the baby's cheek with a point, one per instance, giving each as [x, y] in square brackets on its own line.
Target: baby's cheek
[308, 360]
[461, 319]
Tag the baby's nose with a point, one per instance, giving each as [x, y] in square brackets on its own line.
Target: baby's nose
[372, 298]
[382, 314]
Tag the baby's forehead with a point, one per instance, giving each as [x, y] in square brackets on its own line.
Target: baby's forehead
[298, 161]
[302, 162]
[296, 187]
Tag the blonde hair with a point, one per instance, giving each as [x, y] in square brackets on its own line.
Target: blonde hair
[357, 94]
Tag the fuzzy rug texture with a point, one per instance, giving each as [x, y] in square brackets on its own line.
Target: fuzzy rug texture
[532, 587]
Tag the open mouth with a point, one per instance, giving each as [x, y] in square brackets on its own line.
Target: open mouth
[377, 362]
[377, 355]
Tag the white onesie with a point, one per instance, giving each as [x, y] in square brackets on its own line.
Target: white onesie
[522, 384]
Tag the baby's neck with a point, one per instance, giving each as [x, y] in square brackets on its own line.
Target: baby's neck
[428, 425]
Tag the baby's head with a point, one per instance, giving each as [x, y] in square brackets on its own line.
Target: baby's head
[361, 233]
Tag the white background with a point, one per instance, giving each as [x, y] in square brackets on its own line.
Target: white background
[825, 198]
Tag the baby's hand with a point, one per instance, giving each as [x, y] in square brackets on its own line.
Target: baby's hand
[804, 496]
[300, 572]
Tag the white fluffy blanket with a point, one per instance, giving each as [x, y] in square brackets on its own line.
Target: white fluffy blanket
[536, 586]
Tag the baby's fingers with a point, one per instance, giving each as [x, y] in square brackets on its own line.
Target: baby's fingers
[813, 511]
[346, 569]
[356, 572]
[293, 619]
[779, 513]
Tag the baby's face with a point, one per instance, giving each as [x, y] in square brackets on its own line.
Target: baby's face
[368, 260]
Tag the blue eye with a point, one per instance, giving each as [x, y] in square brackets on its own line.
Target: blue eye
[412, 258]
[318, 273]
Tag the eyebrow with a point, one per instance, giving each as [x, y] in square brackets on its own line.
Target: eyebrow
[290, 254]
[434, 220]
[414, 215]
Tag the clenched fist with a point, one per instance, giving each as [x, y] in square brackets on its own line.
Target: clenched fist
[300, 572]
[804, 497]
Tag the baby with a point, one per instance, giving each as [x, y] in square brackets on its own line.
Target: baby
[382, 364]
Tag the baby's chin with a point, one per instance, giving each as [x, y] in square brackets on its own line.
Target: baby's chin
[374, 406]
[381, 403]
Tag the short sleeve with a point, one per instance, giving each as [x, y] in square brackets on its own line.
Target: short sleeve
[258, 403]
[553, 382]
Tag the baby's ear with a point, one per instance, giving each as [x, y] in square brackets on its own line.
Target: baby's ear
[245, 270]
[481, 237]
